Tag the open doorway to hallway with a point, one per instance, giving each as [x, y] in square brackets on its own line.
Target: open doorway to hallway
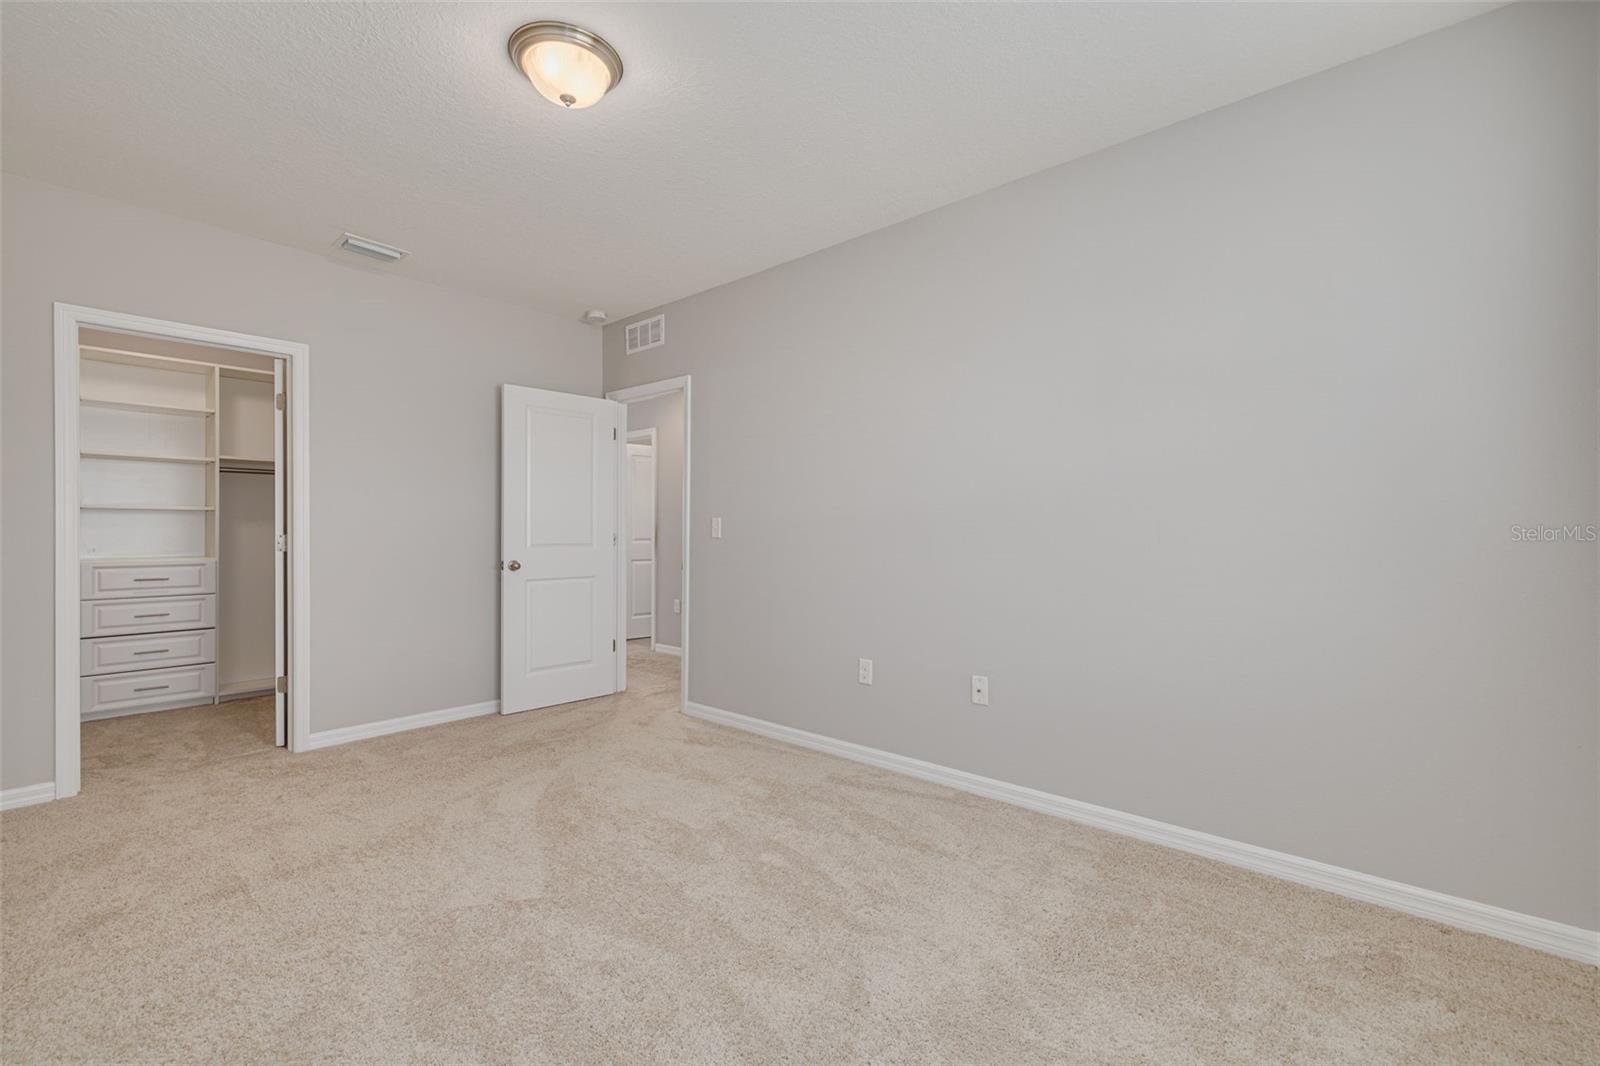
[649, 669]
[668, 407]
[644, 530]
[655, 520]
[662, 593]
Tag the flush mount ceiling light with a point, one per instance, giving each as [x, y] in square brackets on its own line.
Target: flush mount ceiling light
[567, 64]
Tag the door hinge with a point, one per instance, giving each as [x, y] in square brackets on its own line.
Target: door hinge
[278, 399]
[613, 643]
[613, 540]
[281, 542]
[613, 432]
[283, 683]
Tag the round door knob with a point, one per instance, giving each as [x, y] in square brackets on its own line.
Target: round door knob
[513, 565]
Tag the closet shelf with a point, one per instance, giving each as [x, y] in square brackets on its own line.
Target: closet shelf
[123, 357]
[139, 507]
[137, 457]
[147, 408]
[245, 459]
[131, 560]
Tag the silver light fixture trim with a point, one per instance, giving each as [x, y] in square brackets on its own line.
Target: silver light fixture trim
[386, 253]
[567, 64]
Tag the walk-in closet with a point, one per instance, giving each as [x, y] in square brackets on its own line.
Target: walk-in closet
[181, 514]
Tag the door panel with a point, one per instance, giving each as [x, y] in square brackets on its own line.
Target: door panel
[561, 475]
[641, 587]
[559, 518]
[560, 612]
[642, 540]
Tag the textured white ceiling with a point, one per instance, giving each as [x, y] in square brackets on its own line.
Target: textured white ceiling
[742, 135]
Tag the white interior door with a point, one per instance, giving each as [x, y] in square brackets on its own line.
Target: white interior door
[641, 540]
[280, 558]
[558, 541]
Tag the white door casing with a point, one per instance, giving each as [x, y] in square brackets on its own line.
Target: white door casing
[559, 528]
[641, 540]
[69, 318]
[280, 559]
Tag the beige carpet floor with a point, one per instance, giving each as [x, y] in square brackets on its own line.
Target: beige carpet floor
[613, 882]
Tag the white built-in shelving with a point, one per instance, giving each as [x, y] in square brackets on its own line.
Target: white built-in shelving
[147, 470]
[156, 435]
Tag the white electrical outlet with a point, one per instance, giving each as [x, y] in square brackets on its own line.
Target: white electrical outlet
[677, 606]
[864, 671]
[716, 529]
[980, 690]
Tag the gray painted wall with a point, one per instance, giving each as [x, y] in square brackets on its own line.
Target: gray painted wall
[1207, 449]
[404, 438]
[665, 415]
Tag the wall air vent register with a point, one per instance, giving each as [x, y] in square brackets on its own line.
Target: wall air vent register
[650, 333]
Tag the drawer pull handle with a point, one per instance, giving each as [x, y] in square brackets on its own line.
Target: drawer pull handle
[152, 579]
[153, 688]
[154, 651]
[161, 614]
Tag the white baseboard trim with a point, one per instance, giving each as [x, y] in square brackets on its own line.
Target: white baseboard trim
[27, 795]
[1569, 941]
[327, 738]
[668, 649]
[157, 708]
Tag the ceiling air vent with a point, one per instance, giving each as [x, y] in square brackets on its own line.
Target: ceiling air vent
[651, 333]
[384, 253]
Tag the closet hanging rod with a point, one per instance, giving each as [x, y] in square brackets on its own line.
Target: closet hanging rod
[247, 470]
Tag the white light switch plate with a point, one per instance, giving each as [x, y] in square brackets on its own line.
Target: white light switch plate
[864, 671]
[980, 690]
[677, 606]
[716, 529]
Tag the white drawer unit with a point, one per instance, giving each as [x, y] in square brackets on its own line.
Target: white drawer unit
[149, 637]
[132, 579]
[115, 618]
[117, 655]
[147, 690]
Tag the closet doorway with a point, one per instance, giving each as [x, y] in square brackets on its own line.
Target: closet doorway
[181, 497]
